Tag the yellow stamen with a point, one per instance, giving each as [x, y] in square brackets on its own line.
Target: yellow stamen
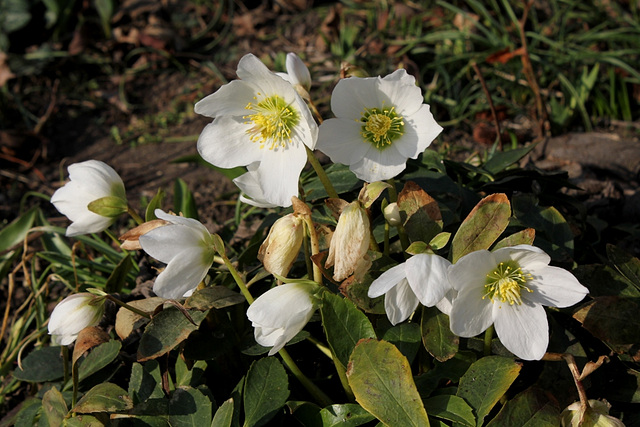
[273, 121]
[506, 283]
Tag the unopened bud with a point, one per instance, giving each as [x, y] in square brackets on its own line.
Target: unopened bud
[130, 239]
[596, 415]
[298, 71]
[392, 214]
[280, 248]
[349, 243]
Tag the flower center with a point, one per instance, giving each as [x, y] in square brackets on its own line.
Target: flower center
[272, 120]
[381, 126]
[506, 282]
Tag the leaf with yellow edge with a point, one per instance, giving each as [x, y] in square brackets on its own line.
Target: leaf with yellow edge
[381, 380]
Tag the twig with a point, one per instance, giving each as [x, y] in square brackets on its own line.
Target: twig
[494, 115]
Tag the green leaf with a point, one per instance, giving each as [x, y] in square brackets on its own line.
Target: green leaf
[105, 397]
[183, 201]
[341, 177]
[155, 203]
[98, 358]
[266, 390]
[108, 206]
[531, 408]
[485, 383]
[380, 378]
[371, 191]
[15, 15]
[145, 382]
[344, 325]
[189, 377]
[627, 265]
[602, 280]
[189, 407]
[345, 415]
[41, 365]
[423, 217]
[213, 297]
[523, 237]
[118, 278]
[406, 337]
[17, 230]
[500, 160]
[165, 331]
[484, 224]
[450, 408]
[84, 420]
[54, 408]
[224, 415]
[437, 337]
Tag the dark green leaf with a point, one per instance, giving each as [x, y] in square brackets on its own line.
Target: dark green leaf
[224, 415]
[627, 265]
[54, 408]
[105, 397]
[145, 382]
[98, 358]
[213, 297]
[523, 237]
[406, 337]
[118, 278]
[345, 415]
[451, 408]
[341, 177]
[155, 203]
[165, 331]
[183, 201]
[531, 408]
[266, 391]
[17, 230]
[41, 365]
[500, 160]
[437, 337]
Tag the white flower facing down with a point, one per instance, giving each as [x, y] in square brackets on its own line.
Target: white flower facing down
[280, 249]
[186, 246]
[259, 119]
[420, 279]
[89, 181]
[73, 314]
[349, 243]
[379, 124]
[281, 312]
[508, 288]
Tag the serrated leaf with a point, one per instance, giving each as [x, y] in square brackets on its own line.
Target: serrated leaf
[344, 325]
[345, 415]
[105, 397]
[523, 237]
[485, 383]
[406, 337]
[213, 297]
[437, 337]
[224, 414]
[165, 331]
[451, 408]
[98, 358]
[54, 408]
[155, 203]
[183, 201]
[484, 224]
[266, 390]
[380, 378]
[530, 408]
[108, 206]
[41, 365]
[17, 230]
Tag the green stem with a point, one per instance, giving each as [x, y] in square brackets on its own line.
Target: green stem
[65, 360]
[127, 306]
[238, 279]
[74, 375]
[320, 397]
[488, 336]
[134, 215]
[386, 239]
[317, 167]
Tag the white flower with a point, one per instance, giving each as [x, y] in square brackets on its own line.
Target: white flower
[89, 181]
[73, 314]
[281, 312]
[379, 124]
[422, 278]
[251, 190]
[297, 73]
[596, 415]
[187, 248]
[349, 243]
[259, 119]
[280, 248]
[508, 288]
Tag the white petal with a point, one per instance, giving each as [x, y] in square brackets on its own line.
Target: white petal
[298, 70]
[279, 172]
[470, 314]
[419, 132]
[471, 270]
[254, 72]
[230, 100]
[526, 256]
[185, 271]
[554, 287]
[352, 95]
[97, 176]
[306, 131]
[387, 280]
[253, 194]
[226, 144]
[185, 222]
[167, 242]
[400, 89]
[295, 324]
[274, 307]
[522, 329]
[427, 276]
[340, 139]
[400, 302]
[446, 304]
[379, 165]
[93, 223]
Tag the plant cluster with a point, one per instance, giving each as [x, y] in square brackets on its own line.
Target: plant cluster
[407, 292]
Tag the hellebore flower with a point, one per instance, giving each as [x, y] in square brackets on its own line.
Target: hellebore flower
[251, 190]
[508, 288]
[259, 119]
[596, 415]
[187, 248]
[379, 124]
[422, 278]
[73, 314]
[281, 312]
[349, 243]
[297, 74]
[280, 249]
[92, 199]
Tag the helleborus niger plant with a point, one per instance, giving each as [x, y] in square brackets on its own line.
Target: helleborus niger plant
[424, 299]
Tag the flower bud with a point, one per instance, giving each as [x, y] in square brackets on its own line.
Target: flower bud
[131, 239]
[349, 243]
[298, 71]
[280, 249]
[596, 415]
[392, 214]
[73, 314]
